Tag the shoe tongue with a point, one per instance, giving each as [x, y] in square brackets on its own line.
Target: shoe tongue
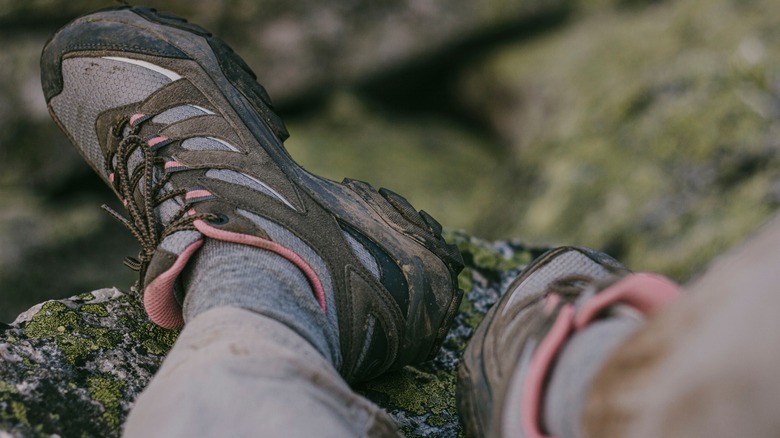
[162, 290]
[168, 251]
[169, 208]
[179, 241]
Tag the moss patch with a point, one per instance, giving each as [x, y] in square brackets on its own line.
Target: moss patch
[107, 391]
[7, 388]
[414, 391]
[67, 328]
[484, 255]
[95, 309]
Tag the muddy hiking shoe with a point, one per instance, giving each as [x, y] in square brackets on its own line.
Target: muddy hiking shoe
[176, 124]
[509, 359]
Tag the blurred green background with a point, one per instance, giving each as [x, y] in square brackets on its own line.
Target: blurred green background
[648, 129]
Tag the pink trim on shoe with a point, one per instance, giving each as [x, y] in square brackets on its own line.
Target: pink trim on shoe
[551, 302]
[192, 195]
[173, 165]
[134, 118]
[157, 142]
[159, 300]
[646, 292]
[245, 239]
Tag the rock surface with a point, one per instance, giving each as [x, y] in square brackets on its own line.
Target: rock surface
[73, 367]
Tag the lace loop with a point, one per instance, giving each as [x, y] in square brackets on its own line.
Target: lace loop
[142, 182]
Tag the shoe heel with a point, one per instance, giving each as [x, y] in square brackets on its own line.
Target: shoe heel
[402, 206]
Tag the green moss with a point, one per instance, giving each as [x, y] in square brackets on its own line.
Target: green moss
[437, 421]
[418, 392]
[95, 309]
[154, 339]
[160, 345]
[7, 388]
[19, 412]
[72, 335]
[646, 133]
[464, 280]
[86, 296]
[107, 391]
[485, 256]
[473, 317]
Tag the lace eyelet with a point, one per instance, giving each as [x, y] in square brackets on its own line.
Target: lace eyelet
[218, 219]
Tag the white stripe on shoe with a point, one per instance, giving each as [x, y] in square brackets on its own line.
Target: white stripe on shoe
[170, 74]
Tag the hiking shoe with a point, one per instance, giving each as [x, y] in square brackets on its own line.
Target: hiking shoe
[512, 352]
[176, 124]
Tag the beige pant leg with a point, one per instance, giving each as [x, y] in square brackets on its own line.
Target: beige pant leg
[709, 365]
[235, 373]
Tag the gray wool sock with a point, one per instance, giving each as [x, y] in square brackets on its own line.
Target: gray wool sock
[580, 360]
[225, 274]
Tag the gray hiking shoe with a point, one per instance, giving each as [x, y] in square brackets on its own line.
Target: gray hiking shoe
[509, 358]
[175, 122]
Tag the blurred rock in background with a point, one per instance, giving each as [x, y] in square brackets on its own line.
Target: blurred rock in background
[649, 129]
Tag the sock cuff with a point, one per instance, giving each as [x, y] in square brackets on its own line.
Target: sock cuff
[226, 274]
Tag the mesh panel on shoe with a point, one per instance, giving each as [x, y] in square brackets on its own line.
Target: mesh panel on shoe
[134, 160]
[243, 179]
[93, 85]
[564, 265]
[207, 144]
[177, 242]
[179, 113]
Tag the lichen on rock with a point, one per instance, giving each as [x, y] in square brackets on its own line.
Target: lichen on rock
[73, 367]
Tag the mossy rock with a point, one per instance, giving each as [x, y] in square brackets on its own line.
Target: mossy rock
[73, 367]
[650, 132]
